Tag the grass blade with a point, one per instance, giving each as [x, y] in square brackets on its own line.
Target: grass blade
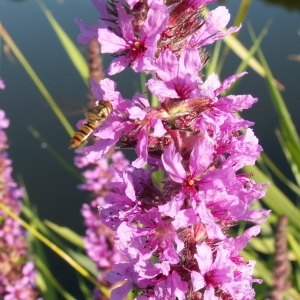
[287, 126]
[244, 63]
[36, 80]
[241, 51]
[289, 158]
[52, 282]
[261, 271]
[239, 19]
[280, 175]
[66, 257]
[66, 233]
[74, 54]
[275, 199]
[213, 62]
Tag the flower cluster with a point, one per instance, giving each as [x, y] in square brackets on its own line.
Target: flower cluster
[17, 273]
[175, 233]
[99, 239]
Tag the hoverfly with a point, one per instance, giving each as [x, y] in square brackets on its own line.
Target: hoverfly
[95, 117]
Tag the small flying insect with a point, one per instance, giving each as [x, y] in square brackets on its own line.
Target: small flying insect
[96, 116]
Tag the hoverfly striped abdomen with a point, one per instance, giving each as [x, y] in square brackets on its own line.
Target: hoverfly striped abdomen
[95, 117]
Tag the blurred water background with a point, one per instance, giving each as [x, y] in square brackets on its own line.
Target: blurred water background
[52, 189]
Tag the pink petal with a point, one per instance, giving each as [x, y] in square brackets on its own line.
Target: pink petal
[201, 156]
[198, 280]
[141, 150]
[110, 42]
[172, 164]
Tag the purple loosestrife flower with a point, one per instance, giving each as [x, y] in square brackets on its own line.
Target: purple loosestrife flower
[135, 38]
[175, 233]
[99, 239]
[17, 273]
[2, 84]
[136, 31]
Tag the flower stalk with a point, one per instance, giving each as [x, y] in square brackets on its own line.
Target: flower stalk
[17, 272]
[174, 236]
[281, 270]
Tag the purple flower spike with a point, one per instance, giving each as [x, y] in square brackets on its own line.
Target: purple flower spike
[170, 209]
[17, 272]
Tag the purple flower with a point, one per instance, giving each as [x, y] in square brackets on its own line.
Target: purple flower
[199, 177]
[171, 287]
[213, 272]
[2, 84]
[173, 232]
[116, 124]
[211, 29]
[134, 49]
[17, 273]
[137, 31]
[99, 240]
[156, 236]
[177, 78]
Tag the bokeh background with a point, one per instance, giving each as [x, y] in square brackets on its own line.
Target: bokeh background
[52, 190]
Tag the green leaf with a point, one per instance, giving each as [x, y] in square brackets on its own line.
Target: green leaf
[275, 198]
[241, 51]
[51, 282]
[83, 260]
[287, 126]
[292, 163]
[66, 233]
[261, 271]
[263, 245]
[294, 246]
[241, 14]
[245, 62]
[143, 88]
[74, 54]
[240, 17]
[213, 62]
[158, 177]
[36, 80]
[55, 248]
[44, 284]
[279, 174]
[85, 289]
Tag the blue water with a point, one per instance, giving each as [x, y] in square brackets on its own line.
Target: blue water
[53, 190]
